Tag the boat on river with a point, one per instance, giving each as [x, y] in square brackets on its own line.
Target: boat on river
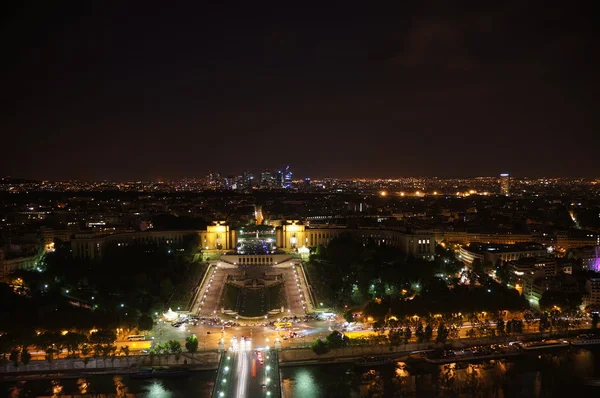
[586, 340]
[545, 345]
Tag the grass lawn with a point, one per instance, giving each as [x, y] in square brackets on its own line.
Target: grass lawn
[253, 302]
[276, 297]
[230, 297]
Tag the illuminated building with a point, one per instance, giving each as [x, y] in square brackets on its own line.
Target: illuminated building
[592, 296]
[11, 263]
[492, 253]
[268, 179]
[287, 178]
[216, 237]
[418, 243]
[505, 184]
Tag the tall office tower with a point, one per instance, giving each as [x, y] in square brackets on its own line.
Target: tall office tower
[287, 178]
[247, 180]
[268, 179]
[505, 184]
[279, 179]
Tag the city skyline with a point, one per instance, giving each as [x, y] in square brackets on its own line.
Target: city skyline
[122, 93]
[299, 177]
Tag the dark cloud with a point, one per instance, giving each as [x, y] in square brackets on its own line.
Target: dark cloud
[424, 88]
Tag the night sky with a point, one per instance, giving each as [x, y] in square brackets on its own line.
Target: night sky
[426, 89]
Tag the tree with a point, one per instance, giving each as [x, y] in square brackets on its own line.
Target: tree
[348, 316]
[477, 266]
[544, 322]
[529, 318]
[85, 352]
[428, 332]
[502, 274]
[407, 335]
[113, 354]
[442, 334]
[595, 320]
[166, 289]
[48, 342]
[500, 327]
[103, 336]
[517, 326]
[319, 347]
[97, 351]
[562, 300]
[509, 328]
[378, 326]
[174, 347]
[73, 342]
[125, 351]
[107, 350]
[14, 357]
[6, 345]
[25, 357]
[191, 344]
[420, 333]
[145, 322]
[336, 340]
[395, 337]
[472, 333]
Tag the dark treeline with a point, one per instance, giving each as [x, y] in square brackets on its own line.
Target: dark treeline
[123, 289]
[347, 273]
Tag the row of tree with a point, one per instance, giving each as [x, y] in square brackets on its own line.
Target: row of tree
[99, 344]
[395, 337]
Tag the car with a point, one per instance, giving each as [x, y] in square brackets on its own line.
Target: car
[263, 385]
[208, 332]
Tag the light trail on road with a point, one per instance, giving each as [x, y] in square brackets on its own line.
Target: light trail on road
[242, 374]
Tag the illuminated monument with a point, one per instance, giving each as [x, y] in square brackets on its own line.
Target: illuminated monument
[258, 214]
[505, 184]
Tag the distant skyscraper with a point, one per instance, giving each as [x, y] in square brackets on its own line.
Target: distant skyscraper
[287, 178]
[268, 179]
[505, 184]
[247, 180]
[279, 179]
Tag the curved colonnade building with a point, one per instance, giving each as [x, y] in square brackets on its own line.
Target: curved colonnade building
[220, 239]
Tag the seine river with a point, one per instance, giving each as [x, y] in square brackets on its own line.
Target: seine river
[559, 374]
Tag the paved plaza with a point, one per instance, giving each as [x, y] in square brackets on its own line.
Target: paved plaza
[208, 298]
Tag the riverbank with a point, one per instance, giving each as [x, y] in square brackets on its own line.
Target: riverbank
[207, 360]
[290, 357]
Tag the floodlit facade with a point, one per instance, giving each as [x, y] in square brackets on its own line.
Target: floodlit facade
[505, 184]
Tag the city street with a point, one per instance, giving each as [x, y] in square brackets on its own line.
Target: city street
[209, 336]
[247, 372]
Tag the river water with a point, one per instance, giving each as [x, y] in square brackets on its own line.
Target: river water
[559, 374]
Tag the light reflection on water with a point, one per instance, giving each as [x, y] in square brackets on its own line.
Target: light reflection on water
[157, 390]
[547, 376]
[550, 375]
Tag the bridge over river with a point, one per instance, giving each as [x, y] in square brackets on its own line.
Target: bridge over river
[247, 373]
